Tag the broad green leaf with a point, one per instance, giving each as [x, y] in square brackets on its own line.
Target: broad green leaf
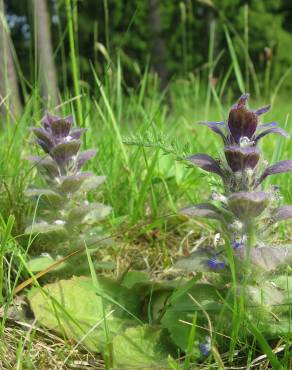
[268, 258]
[46, 228]
[183, 307]
[70, 184]
[91, 213]
[133, 278]
[74, 307]
[91, 183]
[145, 347]
[284, 282]
[40, 263]
[99, 212]
[196, 262]
[51, 196]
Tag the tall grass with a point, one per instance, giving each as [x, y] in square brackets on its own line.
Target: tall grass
[143, 185]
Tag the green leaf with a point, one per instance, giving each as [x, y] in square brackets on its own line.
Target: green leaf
[133, 278]
[183, 308]
[74, 308]
[270, 257]
[70, 184]
[91, 183]
[284, 282]
[46, 228]
[51, 196]
[40, 263]
[143, 347]
[89, 213]
[99, 212]
[196, 262]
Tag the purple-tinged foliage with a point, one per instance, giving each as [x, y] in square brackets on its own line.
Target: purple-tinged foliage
[64, 207]
[243, 123]
[282, 213]
[246, 205]
[241, 158]
[243, 202]
[279, 167]
[206, 162]
[205, 210]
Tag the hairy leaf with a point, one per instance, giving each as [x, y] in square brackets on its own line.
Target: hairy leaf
[63, 152]
[74, 307]
[248, 204]
[142, 346]
[51, 196]
[196, 262]
[46, 228]
[70, 184]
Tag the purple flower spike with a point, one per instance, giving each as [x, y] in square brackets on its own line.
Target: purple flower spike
[240, 158]
[242, 122]
[57, 138]
[245, 204]
[214, 263]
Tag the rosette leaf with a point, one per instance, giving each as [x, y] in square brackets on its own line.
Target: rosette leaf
[279, 167]
[245, 205]
[240, 158]
[206, 162]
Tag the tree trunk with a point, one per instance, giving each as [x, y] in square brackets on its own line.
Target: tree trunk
[9, 92]
[47, 70]
[158, 44]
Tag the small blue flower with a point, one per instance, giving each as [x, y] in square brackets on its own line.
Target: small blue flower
[214, 263]
[205, 347]
[239, 242]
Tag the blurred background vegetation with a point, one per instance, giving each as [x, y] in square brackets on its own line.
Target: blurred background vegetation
[189, 39]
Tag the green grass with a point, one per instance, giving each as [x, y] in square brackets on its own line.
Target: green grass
[144, 186]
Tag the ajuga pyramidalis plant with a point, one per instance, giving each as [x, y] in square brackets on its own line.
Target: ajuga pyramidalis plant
[246, 260]
[64, 218]
[246, 211]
